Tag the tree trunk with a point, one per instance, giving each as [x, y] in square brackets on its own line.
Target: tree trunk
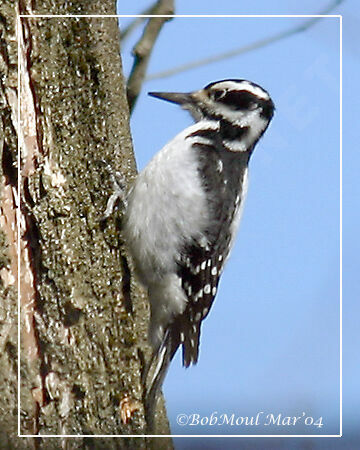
[83, 315]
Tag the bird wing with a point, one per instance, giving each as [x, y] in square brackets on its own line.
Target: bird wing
[201, 264]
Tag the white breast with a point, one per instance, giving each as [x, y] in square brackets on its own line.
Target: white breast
[166, 205]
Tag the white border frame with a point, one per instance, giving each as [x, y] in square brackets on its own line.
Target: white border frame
[339, 16]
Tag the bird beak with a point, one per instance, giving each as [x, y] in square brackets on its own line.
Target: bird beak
[174, 97]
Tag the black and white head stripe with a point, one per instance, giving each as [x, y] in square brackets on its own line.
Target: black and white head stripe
[238, 101]
[239, 85]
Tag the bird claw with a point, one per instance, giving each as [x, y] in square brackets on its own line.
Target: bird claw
[119, 191]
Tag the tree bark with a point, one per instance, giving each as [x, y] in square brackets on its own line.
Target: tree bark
[83, 315]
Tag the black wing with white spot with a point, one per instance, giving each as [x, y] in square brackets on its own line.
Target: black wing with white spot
[200, 279]
[201, 265]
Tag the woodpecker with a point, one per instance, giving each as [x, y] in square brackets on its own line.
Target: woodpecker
[183, 212]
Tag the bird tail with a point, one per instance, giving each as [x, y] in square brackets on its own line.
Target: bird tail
[156, 371]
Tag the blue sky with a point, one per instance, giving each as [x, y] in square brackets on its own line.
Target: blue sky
[271, 341]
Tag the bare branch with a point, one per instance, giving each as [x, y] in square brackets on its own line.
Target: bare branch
[136, 22]
[144, 47]
[244, 49]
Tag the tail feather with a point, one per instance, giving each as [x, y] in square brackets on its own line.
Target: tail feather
[179, 332]
[158, 367]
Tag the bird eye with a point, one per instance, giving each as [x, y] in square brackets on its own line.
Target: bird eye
[216, 95]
